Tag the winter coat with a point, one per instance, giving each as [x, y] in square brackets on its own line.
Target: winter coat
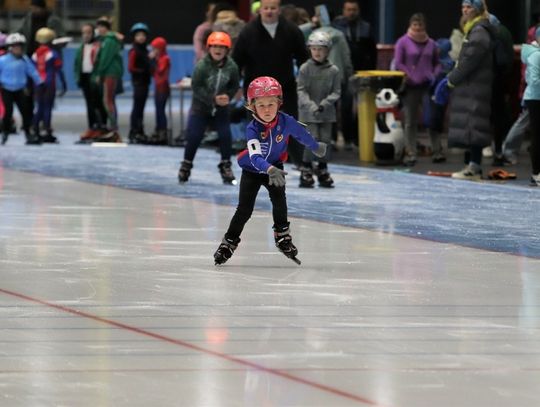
[258, 54]
[210, 79]
[14, 72]
[78, 62]
[419, 60]
[161, 69]
[139, 64]
[48, 64]
[530, 56]
[318, 85]
[109, 59]
[472, 77]
[267, 145]
[361, 42]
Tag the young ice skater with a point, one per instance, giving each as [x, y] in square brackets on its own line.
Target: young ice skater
[262, 165]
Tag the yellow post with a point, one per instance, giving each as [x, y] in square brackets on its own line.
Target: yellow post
[367, 112]
[368, 82]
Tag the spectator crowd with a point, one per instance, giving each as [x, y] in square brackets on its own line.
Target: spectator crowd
[463, 80]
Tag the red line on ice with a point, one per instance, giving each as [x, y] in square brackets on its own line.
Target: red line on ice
[247, 363]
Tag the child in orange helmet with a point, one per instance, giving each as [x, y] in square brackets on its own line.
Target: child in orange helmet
[215, 81]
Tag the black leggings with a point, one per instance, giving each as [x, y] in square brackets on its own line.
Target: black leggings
[250, 183]
[25, 108]
[534, 150]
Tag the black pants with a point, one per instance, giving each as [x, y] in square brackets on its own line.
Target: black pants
[25, 108]
[501, 118]
[250, 183]
[140, 94]
[95, 111]
[349, 123]
[534, 149]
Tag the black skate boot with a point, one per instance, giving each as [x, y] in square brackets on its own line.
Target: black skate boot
[306, 176]
[284, 243]
[49, 138]
[134, 136]
[32, 138]
[225, 250]
[226, 172]
[5, 136]
[324, 178]
[185, 171]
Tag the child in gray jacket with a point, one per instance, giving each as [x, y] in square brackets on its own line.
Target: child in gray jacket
[319, 88]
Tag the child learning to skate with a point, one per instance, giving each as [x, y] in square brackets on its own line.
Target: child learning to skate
[319, 88]
[215, 82]
[49, 65]
[262, 165]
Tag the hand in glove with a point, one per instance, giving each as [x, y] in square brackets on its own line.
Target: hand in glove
[276, 177]
[442, 92]
[321, 150]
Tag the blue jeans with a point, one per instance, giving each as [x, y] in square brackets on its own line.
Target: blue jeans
[197, 124]
[160, 98]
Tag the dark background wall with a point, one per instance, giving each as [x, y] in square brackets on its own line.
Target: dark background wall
[176, 20]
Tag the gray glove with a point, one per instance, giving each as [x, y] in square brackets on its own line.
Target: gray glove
[276, 177]
[321, 150]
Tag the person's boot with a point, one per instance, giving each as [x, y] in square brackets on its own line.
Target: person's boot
[225, 170]
[185, 171]
[306, 176]
[225, 250]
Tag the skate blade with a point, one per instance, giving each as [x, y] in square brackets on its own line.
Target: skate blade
[296, 260]
[108, 145]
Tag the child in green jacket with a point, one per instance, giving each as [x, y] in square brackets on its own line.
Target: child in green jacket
[215, 82]
[107, 73]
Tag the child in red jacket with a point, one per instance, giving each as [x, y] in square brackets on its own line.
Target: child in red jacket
[162, 90]
[49, 65]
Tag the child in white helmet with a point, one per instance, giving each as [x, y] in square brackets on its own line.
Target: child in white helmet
[15, 69]
[319, 88]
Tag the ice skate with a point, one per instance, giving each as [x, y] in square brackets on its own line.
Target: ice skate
[48, 137]
[185, 171]
[324, 178]
[32, 139]
[5, 137]
[306, 177]
[225, 250]
[137, 137]
[284, 243]
[226, 172]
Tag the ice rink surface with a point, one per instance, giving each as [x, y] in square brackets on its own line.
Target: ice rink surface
[413, 291]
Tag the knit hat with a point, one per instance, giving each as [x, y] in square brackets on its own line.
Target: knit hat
[477, 4]
[159, 43]
[39, 3]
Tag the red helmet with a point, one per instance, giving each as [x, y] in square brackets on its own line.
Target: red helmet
[263, 86]
[219, 38]
[159, 43]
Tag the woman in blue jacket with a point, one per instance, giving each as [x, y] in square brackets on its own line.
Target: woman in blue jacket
[530, 56]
